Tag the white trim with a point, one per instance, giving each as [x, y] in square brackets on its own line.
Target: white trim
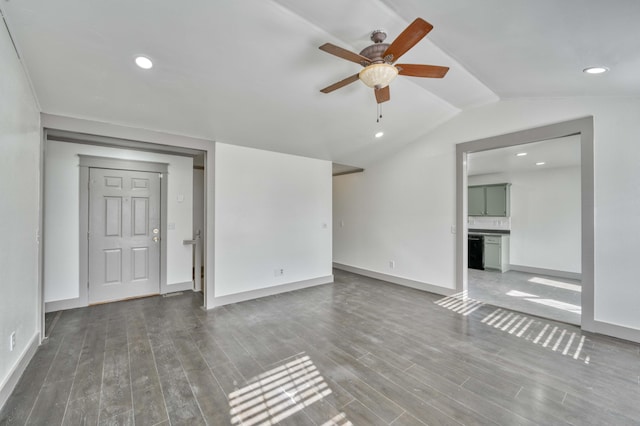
[63, 305]
[543, 271]
[580, 126]
[618, 331]
[172, 288]
[14, 375]
[406, 282]
[270, 291]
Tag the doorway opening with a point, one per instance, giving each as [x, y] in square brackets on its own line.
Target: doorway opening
[64, 187]
[524, 228]
[580, 131]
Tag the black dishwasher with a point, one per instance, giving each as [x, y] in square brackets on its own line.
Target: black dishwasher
[475, 259]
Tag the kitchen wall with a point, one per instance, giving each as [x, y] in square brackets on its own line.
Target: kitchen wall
[61, 220]
[272, 213]
[545, 217]
[403, 207]
[19, 210]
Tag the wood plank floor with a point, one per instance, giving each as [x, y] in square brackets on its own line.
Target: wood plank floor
[359, 351]
[556, 298]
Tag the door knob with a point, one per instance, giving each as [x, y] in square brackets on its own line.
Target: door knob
[156, 239]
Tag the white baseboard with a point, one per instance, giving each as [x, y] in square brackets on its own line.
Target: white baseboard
[614, 330]
[418, 285]
[543, 271]
[63, 305]
[172, 288]
[269, 291]
[11, 381]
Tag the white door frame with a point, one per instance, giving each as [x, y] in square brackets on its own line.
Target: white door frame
[89, 161]
[580, 126]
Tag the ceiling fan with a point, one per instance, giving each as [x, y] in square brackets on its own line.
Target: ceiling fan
[379, 58]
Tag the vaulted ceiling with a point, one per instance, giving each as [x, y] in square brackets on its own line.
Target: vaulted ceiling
[249, 72]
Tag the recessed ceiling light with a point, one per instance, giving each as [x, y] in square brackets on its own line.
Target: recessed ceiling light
[379, 134]
[144, 62]
[540, 163]
[595, 70]
[521, 154]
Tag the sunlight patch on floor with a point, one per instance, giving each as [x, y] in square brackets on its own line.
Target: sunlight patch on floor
[460, 303]
[279, 393]
[553, 337]
[557, 304]
[556, 283]
[569, 307]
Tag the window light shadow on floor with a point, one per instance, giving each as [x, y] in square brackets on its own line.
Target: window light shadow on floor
[556, 283]
[535, 330]
[569, 307]
[279, 393]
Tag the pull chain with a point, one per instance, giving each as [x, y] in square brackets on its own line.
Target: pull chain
[379, 113]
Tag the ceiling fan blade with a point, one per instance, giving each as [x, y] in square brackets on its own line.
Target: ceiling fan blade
[383, 94]
[340, 84]
[408, 38]
[429, 71]
[344, 53]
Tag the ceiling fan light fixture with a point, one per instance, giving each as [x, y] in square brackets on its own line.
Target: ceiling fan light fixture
[378, 75]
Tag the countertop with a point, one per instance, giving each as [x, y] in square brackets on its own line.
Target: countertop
[489, 232]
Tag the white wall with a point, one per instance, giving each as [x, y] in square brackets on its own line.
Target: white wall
[545, 217]
[399, 210]
[404, 205]
[19, 207]
[61, 221]
[272, 211]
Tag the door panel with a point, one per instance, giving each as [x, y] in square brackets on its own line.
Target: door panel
[140, 216]
[112, 266]
[140, 258]
[124, 260]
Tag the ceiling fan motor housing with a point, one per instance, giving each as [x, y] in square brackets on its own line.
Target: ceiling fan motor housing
[375, 52]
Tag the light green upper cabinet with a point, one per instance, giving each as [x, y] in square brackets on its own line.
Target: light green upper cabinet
[489, 200]
[496, 200]
[476, 200]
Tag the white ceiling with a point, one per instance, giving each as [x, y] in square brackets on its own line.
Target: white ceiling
[249, 72]
[554, 153]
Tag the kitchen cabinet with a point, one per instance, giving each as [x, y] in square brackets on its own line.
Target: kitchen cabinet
[489, 200]
[496, 252]
[476, 198]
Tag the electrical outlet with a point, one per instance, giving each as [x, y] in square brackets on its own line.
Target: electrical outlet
[12, 341]
[392, 264]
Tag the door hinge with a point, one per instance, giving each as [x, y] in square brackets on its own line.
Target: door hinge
[161, 175]
[88, 235]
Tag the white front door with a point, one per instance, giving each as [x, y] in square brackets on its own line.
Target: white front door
[124, 234]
